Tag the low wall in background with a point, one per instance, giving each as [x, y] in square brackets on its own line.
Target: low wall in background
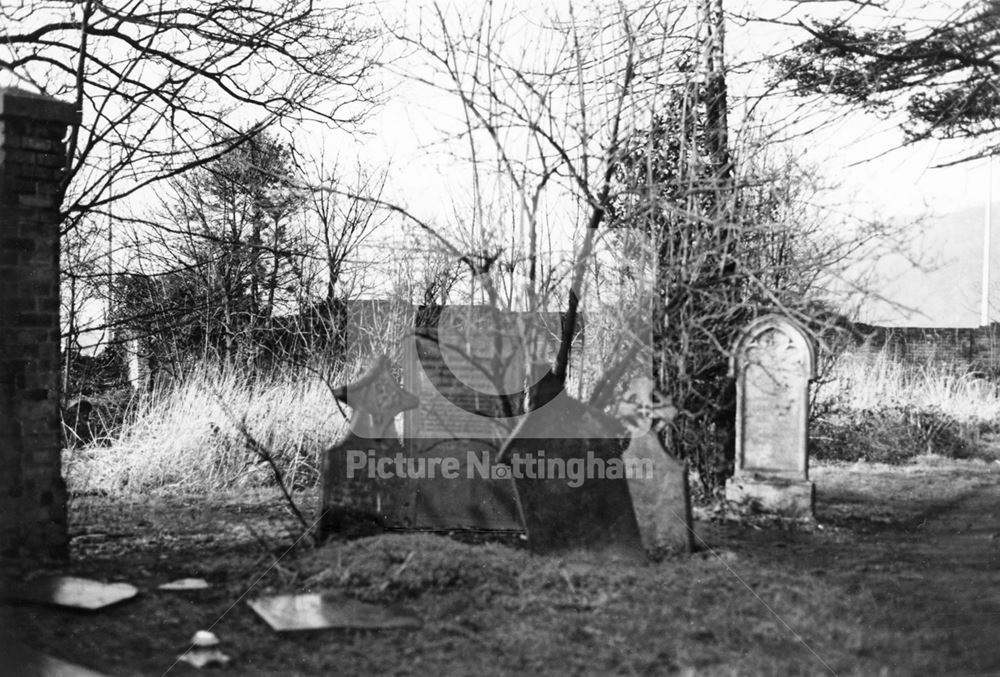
[974, 348]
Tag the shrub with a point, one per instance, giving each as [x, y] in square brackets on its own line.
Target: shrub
[884, 411]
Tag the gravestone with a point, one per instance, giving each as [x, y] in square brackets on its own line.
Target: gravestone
[658, 481]
[466, 366]
[566, 461]
[355, 496]
[773, 361]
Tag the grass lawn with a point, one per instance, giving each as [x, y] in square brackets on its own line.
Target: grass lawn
[899, 576]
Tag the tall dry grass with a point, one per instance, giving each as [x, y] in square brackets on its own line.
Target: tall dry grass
[880, 409]
[862, 384]
[186, 434]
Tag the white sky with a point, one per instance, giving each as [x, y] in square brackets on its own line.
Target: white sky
[877, 178]
[858, 152]
[853, 149]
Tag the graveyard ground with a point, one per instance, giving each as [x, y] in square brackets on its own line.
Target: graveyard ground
[899, 576]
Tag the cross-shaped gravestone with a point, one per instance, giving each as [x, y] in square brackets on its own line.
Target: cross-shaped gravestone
[375, 399]
[354, 498]
[773, 361]
[657, 481]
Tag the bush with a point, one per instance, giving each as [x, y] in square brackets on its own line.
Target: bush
[892, 435]
[887, 412]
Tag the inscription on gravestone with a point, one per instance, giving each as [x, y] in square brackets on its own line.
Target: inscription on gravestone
[466, 364]
[773, 362]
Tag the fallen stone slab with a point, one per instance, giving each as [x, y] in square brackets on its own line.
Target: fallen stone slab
[185, 584]
[72, 592]
[314, 611]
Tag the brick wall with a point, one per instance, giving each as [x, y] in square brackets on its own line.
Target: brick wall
[975, 348]
[32, 493]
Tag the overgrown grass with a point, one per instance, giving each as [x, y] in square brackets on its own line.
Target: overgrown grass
[188, 434]
[885, 411]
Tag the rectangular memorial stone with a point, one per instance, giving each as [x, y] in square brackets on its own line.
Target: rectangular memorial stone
[565, 458]
[466, 365]
[773, 362]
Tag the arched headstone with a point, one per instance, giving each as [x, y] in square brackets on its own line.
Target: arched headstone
[773, 361]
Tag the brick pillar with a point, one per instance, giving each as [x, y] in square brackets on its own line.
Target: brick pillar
[32, 492]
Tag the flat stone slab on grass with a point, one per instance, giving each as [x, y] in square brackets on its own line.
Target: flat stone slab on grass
[314, 611]
[185, 584]
[73, 592]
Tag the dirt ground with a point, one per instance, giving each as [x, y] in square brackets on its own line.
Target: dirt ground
[900, 575]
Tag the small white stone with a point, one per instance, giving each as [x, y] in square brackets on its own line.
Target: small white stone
[204, 638]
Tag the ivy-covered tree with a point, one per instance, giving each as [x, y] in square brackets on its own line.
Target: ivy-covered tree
[724, 252]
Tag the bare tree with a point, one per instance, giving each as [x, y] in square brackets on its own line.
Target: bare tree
[548, 123]
[618, 122]
[231, 243]
[155, 83]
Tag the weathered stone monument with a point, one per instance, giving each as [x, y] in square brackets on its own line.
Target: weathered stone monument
[32, 157]
[657, 480]
[560, 475]
[773, 361]
[566, 461]
[467, 366]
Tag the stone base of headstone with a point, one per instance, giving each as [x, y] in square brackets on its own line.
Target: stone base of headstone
[779, 496]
